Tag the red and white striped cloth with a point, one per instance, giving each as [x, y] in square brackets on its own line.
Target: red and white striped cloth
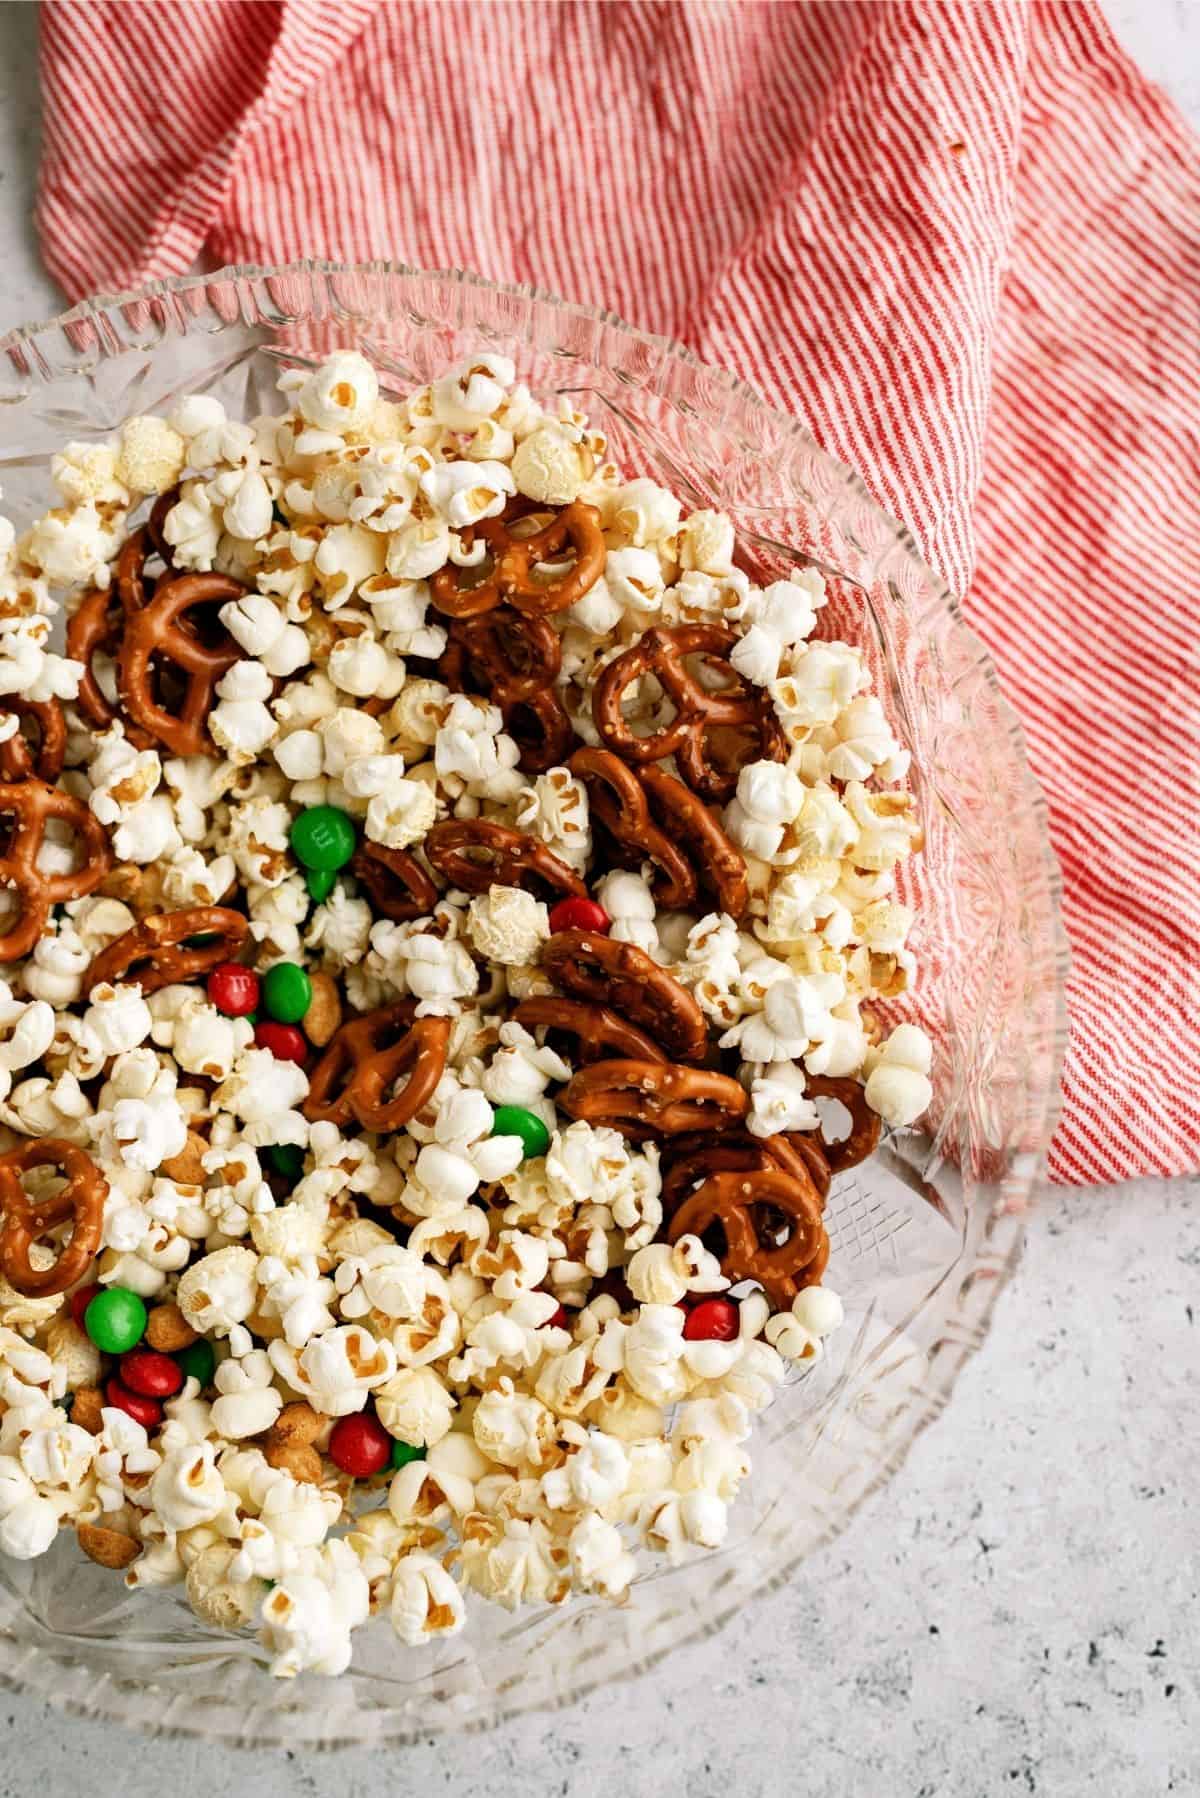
[962, 242]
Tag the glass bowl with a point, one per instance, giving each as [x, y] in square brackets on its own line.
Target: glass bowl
[924, 1236]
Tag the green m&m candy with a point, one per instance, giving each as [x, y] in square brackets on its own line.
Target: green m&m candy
[324, 838]
[115, 1320]
[286, 992]
[197, 1362]
[404, 1452]
[514, 1120]
[320, 883]
[285, 1159]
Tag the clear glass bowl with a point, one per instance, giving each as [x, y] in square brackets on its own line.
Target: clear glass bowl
[924, 1235]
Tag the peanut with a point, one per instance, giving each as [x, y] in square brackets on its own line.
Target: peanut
[108, 1548]
[296, 1458]
[85, 1409]
[187, 1168]
[167, 1329]
[324, 1013]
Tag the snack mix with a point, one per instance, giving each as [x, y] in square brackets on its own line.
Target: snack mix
[440, 890]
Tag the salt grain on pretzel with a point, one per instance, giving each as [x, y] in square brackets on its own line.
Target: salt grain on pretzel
[474, 855]
[624, 978]
[27, 807]
[515, 551]
[158, 952]
[28, 1218]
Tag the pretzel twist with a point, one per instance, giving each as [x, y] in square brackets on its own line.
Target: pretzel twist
[398, 885]
[650, 814]
[513, 556]
[154, 953]
[365, 1058]
[753, 1209]
[43, 757]
[709, 766]
[623, 978]
[27, 1219]
[30, 805]
[161, 632]
[597, 1030]
[863, 1138]
[692, 1159]
[654, 1098]
[474, 854]
[515, 659]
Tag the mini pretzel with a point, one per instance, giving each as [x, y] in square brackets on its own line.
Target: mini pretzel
[694, 1158]
[27, 1219]
[699, 713]
[751, 1208]
[618, 801]
[161, 633]
[515, 660]
[97, 626]
[634, 806]
[509, 655]
[541, 728]
[30, 804]
[44, 757]
[597, 1030]
[513, 555]
[364, 1059]
[623, 977]
[864, 1123]
[155, 942]
[398, 885]
[654, 1098]
[473, 854]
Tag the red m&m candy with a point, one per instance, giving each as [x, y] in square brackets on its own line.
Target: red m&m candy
[579, 914]
[146, 1411]
[285, 1041]
[712, 1320]
[234, 989]
[360, 1445]
[152, 1375]
[80, 1301]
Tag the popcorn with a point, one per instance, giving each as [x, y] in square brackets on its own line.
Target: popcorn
[425, 1601]
[472, 753]
[340, 395]
[555, 808]
[551, 465]
[521, 1321]
[241, 723]
[257, 624]
[118, 1017]
[463, 400]
[219, 1291]
[898, 1085]
[507, 926]
[779, 1102]
[464, 492]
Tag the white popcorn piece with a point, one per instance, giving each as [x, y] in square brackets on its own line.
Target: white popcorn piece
[508, 926]
[779, 1102]
[425, 1602]
[898, 1086]
[340, 395]
[555, 808]
[463, 493]
[219, 1291]
[241, 724]
[551, 464]
[463, 399]
[256, 623]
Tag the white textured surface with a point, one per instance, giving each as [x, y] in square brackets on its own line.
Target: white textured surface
[1015, 1614]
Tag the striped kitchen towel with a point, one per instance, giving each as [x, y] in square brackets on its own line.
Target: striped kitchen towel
[961, 242]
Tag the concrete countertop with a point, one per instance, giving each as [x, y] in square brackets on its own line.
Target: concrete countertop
[1016, 1613]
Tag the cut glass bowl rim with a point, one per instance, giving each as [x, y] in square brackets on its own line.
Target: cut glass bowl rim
[19, 346]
